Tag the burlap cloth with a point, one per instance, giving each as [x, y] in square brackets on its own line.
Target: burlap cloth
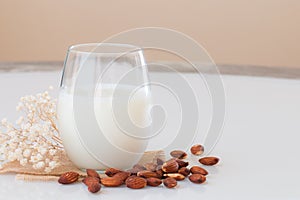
[30, 174]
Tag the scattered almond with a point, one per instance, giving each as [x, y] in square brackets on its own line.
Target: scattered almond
[151, 174]
[170, 182]
[159, 173]
[198, 170]
[154, 182]
[184, 171]
[147, 174]
[111, 171]
[197, 149]
[92, 173]
[182, 163]
[170, 166]
[68, 177]
[135, 182]
[94, 187]
[121, 175]
[176, 176]
[209, 160]
[89, 180]
[178, 154]
[197, 178]
[111, 182]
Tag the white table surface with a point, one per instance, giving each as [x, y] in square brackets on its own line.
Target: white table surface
[259, 148]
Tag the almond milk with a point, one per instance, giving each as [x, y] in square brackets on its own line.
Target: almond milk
[130, 141]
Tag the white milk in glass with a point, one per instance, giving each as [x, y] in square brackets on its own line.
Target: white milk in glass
[130, 140]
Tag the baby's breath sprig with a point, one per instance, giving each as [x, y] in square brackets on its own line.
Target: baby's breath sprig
[34, 139]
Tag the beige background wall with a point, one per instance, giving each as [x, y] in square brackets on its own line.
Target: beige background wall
[252, 32]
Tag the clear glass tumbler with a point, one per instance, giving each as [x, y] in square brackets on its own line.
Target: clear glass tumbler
[103, 105]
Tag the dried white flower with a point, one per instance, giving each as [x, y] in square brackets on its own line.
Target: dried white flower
[13, 145]
[11, 156]
[52, 152]
[4, 121]
[40, 165]
[23, 161]
[42, 150]
[33, 159]
[39, 156]
[35, 139]
[20, 120]
[27, 153]
[52, 164]
[47, 169]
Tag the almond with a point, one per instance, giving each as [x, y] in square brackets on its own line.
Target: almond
[197, 149]
[176, 176]
[159, 173]
[184, 171]
[122, 175]
[154, 182]
[170, 182]
[197, 178]
[89, 180]
[135, 182]
[111, 171]
[147, 174]
[92, 173]
[111, 182]
[209, 160]
[198, 170]
[182, 163]
[94, 187]
[68, 177]
[170, 166]
[178, 154]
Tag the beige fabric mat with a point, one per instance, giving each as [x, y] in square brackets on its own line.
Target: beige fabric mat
[28, 174]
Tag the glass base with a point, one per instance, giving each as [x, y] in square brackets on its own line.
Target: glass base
[99, 171]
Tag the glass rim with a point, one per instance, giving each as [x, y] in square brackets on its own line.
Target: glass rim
[119, 48]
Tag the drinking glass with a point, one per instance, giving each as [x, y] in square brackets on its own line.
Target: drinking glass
[103, 105]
